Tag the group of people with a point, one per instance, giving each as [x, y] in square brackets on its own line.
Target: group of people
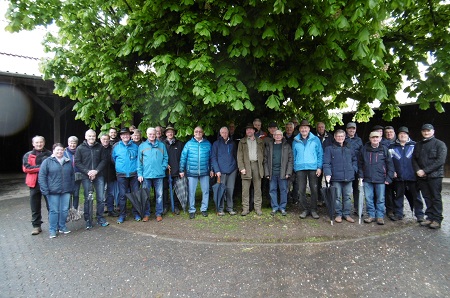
[281, 164]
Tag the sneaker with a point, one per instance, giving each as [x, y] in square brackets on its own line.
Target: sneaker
[88, 226]
[399, 217]
[392, 217]
[52, 235]
[113, 213]
[338, 219]
[159, 218]
[369, 220]
[380, 221]
[176, 211]
[145, 219]
[273, 212]
[283, 212]
[137, 218]
[36, 231]
[435, 225]
[314, 215]
[426, 223]
[121, 219]
[64, 231]
[420, 219]
[103, 223]
[205, 214]
[232, 212]
[304, 214]
[221, 213]
[349, 219]
[191, 215]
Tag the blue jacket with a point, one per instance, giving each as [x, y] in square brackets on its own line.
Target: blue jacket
[402, 159]
[152, 160]
[375, 164]
[340, 162]
[195, 158]
[223, 156]
[307, 156]
[69, 155]
[125, 158]
[55, 178]
[356, 144]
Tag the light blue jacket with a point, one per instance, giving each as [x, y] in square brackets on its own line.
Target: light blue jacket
[152, 160]
[309, 155]
[125, 159]
[195, 158]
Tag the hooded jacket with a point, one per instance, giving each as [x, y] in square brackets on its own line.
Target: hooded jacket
[375, 164]
[125, 159]
[340, 162]
[31, 163]
[308, 155]
[90, 158]
[56, 178]
[152, 160]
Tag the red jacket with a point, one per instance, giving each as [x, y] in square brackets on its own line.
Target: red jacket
[31, 163]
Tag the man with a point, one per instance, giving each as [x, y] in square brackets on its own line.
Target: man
[174, 148]
[389, 134]
[113, 136]
[137, 137]
[257, 124]
[90, 159]
[250, 159]
[428, 163]
[278, 170]
[326, 140]
[223, 160]
[356, 145]
[308, 158]
[377, 170]
[109, 174]
[31, 163]
[152, 165]
[195, 164]
[159, 131]
[339, 167]
[379, 129]
[389, 140]
[125, 157]
[404, 176]
[273, 126]
[234, 135]
[295, 122]
[289, 133]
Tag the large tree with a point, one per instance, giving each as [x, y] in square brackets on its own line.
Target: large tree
[203, 62]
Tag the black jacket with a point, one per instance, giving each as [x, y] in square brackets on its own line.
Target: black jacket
[429, 155]
[174, 152]
[90, 158]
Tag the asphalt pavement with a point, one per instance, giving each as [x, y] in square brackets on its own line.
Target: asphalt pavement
[118, 262]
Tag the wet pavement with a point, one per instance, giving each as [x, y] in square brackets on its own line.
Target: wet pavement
[118, 261]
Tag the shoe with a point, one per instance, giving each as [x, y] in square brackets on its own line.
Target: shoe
[159, 218]
[338, 219]
[283, 212]
[380, 221]
[399, 217]
[392, 217]
[426, 223]
[349, 219]
[145, 219]
[259, 213]
[176, 211]
[103, 223]
[36, 231]
[244, 213]
[137, 218]
[273, 212]
[113, 213]
[165, 210]
[369, 220]
[314, 215]
[320, 204]
[52, 235]
[434, 225]
[65, 231]
[121, 219]
[232, 212]
[304, 214]
[191, 215]
[88, 226]
[221, 213]
[420, 219]
[205, 214]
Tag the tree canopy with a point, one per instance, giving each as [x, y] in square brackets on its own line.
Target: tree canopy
[208, 61]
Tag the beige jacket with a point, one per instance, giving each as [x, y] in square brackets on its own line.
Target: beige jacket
[243, 159]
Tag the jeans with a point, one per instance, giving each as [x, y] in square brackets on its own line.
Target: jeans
[431, 191]
[36, 205]
[110, 195]
[302, 177]
[125, 184]
[275, 182]
[76, 194]
[204, 184]
[408, 189]
[58, 209]
[372, 190]
[99, 187]
[157, 184]
[344, 191]
[228, 180]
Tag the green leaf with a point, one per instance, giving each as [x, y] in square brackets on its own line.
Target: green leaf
[237, 105]
[299, 33]
[273, 102]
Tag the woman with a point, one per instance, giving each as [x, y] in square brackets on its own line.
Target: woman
[56, 179]
[69, 152]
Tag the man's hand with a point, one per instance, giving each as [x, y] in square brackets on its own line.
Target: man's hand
[421, 173]
[211, 174]
[328, 178]
[243, 172]
[140, 179]
[218, 174]
[318, 172]
[182, 174]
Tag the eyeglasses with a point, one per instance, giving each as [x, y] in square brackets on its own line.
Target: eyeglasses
[198, 131]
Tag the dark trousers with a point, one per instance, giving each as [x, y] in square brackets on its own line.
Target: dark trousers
[36, 205]
[166, 195]
[431, 191]
[355, 186]
[389, 198]
[408, 189]
[302, 177]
